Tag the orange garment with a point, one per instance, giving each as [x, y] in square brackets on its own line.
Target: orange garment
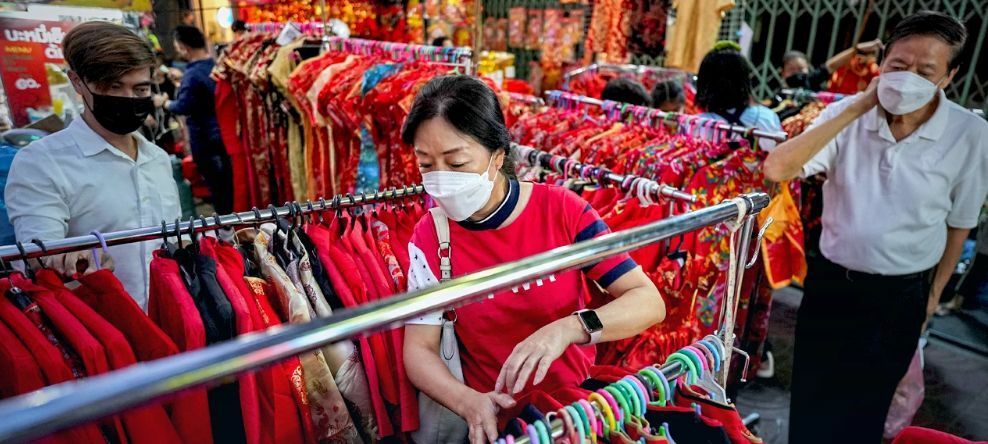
[782, 249]
[694, 32]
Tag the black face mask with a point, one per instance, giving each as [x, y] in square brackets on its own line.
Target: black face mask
[799, 80]
[120, 115]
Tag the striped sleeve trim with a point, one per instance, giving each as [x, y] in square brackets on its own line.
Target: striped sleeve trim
[591, 231]
[616, 272]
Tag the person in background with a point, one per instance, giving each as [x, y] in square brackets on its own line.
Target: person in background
[723, 92]
[188, 18]
[98, 174]
[194, 99]
[668, 96]
[239, 28]
[442, 42]
[797, 72]
[905, 183]
[625, 90]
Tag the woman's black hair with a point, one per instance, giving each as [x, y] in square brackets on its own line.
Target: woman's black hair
[438, 41]
[668, 91]
[724, 81]
[467, 104]
[625, 90]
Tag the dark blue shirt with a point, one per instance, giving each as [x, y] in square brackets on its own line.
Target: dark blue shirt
[194, 99]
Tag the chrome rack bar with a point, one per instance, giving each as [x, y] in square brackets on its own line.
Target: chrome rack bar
[525, 98]
[622, 68]
[49, 410]
[544, 159]
[12, 253]
[670, 371]
[461, 56]
[556, 97]
[823, 96]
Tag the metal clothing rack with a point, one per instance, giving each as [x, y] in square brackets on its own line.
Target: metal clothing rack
[460, 56]
[31, 250]
[525, 98]
[665, 73]
[805, 94]
[51, 409]
[648, 115]
[566, 166]
[303, 27]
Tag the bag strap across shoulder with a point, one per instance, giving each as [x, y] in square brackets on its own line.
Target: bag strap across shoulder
[445, 248]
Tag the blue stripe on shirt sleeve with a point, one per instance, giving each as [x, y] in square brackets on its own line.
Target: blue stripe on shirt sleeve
[591, 231]
[615, 273]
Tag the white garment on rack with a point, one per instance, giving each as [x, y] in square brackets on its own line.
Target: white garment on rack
[73, 182]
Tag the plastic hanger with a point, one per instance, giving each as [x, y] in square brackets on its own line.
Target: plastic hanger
[692, 373]
[609, 422]
[573, 423]
[635, 402]
[193, 236]
[27, 268]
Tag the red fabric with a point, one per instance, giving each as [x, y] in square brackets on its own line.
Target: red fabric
[854, 77]
[244, 323]
[553, 217]
[275, 393]
[289, 381]
[920, 435]
[725, 414]
[351, 290]
[49, 361]
[171, 307]
[143, 425]
[228, 118]
[105, 294]
[20, 370]
[93, 354]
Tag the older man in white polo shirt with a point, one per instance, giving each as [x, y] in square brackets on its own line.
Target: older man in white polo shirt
[907, 171]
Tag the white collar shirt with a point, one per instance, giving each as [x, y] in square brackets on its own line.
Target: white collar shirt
[886, 203]
[74, 182]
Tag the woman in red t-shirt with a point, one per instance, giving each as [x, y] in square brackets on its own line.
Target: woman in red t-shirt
[530, 336]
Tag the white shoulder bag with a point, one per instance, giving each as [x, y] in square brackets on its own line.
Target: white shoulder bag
[437, 424]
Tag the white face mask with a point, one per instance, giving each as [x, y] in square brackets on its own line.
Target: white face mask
[902, 92]
[460, 194]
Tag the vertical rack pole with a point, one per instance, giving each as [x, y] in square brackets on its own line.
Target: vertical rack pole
[729, 305]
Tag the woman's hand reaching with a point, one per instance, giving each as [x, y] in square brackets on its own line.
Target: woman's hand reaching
[537, 352]
[480, 412]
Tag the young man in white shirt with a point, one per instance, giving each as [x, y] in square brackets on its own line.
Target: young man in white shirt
[907, 171]
[98, 174]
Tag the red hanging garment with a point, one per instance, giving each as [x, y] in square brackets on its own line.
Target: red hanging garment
[253, 427]
[50, 361]
[148, 424]
[102, 292]
[78, 338]
[171, 307]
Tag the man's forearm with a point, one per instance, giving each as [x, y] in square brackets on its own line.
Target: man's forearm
[840, 59]
[786, 160]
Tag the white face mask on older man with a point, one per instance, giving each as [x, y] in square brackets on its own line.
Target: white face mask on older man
[902, 92]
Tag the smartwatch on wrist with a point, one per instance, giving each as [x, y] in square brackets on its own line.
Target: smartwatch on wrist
[591, 324]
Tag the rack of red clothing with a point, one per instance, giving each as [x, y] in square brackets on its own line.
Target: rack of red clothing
[321, 116]
[300, 343]
[207, 290]
[699, 158]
